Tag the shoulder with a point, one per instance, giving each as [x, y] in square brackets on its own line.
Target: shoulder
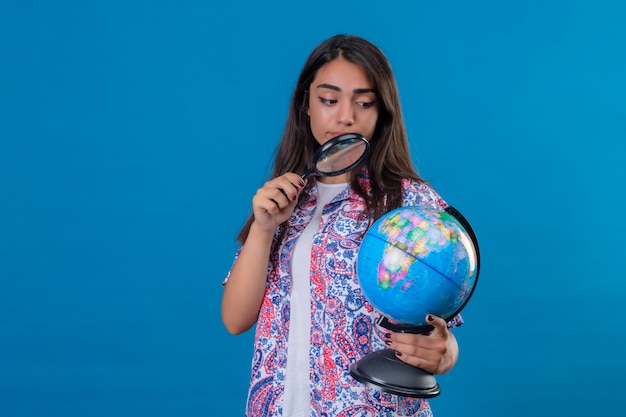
[419, 193]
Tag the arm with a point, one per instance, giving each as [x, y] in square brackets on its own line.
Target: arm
[245, 288]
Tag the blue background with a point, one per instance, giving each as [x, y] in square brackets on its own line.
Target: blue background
[133, 135]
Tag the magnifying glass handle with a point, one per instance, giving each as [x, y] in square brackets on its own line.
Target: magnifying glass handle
[307, 173]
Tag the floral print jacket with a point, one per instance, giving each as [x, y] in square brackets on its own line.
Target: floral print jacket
[343, 322]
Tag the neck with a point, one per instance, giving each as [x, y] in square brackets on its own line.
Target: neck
[339, 179]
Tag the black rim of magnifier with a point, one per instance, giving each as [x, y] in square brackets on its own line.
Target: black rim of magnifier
[397, 327]
[319, 152]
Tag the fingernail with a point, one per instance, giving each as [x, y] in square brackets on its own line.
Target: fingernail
[387, 335]
[431, 318]
[398, 353]
[302, 183]
[388, 342]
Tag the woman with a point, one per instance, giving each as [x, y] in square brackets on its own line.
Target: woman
[294, 275]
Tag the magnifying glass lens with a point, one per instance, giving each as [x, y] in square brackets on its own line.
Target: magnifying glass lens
[339, 155]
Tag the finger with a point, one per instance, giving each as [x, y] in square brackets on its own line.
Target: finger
[420, 357]
[284, 193]
[295, 179]
[423, 362]
[410, 344]
[276, 196]
[289, 188]
[436, 322]
[269, 206]
[421, 345]
[292, 197]
[270, 199]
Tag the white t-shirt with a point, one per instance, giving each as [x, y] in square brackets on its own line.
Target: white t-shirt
[296, 401]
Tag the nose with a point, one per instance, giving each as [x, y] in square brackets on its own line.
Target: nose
[346, 113]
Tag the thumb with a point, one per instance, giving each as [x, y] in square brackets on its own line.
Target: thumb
[436, 321]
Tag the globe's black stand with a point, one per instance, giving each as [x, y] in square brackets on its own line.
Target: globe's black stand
[382, 370]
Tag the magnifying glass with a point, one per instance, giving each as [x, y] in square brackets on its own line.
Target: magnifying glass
[339, 155]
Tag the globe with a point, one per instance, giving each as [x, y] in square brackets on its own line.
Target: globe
[416, 261]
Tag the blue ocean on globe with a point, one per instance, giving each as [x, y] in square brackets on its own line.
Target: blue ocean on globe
[416, 261]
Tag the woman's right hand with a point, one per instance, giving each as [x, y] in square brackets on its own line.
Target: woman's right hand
[243, 292]
[275, 201]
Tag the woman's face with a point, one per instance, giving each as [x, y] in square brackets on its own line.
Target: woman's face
[342, 99]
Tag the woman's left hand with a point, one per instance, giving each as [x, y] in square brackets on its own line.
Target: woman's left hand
[435, 352]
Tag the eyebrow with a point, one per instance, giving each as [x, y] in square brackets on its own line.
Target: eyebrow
[356, 90]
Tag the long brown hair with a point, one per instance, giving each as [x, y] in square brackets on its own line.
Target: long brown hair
[389, 160]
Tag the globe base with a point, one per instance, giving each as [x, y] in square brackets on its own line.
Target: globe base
[382, 370]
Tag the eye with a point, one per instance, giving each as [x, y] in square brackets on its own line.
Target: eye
[328, 101]
[365, 104]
